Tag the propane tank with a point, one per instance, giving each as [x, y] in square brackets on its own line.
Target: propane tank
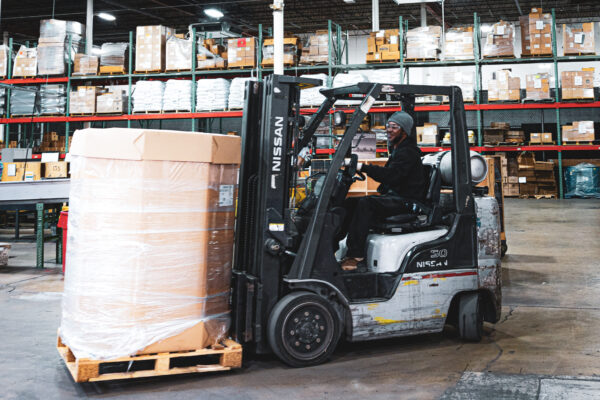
[444, 160]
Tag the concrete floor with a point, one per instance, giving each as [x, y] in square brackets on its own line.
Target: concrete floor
[546, 345]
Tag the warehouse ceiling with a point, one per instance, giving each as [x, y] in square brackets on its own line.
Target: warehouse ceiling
[20, 18]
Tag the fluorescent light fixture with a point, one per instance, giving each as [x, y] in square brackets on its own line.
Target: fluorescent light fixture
[106, 16]
[213, 13]
[415, 1]
[349, 1]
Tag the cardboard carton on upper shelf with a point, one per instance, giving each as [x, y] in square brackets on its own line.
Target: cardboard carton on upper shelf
[21, 171]
[579, 131]
[241, 52]
[83, 100]
[499, 41]
[291, 45]
[25, 62]
[423, 43]
[458, 44]
[428, 134]
[58, 169]
[578, 39]
[150, 47]
[537, 86]
[504, 87]
[577, 84]
[85, 65]
[540, 32]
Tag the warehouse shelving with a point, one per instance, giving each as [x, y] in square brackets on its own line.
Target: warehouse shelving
[338, 48]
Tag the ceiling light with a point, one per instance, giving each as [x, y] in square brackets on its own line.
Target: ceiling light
[213, 13]
[349, 1]
[106, 16]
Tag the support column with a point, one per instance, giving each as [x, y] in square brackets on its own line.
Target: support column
[277, 36]
[375, 16]
[423, 15]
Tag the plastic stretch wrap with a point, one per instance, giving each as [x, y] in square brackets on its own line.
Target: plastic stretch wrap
[24, 102]
[458, 44]
[423, 42]
[52, 99]
[579, 38]
[149, 256]
[148, 96]
[386, 75]
[582, 180]
[236, 92]
[85, 65]
[51, 58]
[2, 102]
[25, 62]
[317, 50]
[177, 95]
[179, 53]
[83, 100]
[500, 41]
[348, 79]
[312, 96]
[113, 54]
[212, 94]
[53, 28]
[290, 51]
[3, 60]
[464, 79]
[537, 86]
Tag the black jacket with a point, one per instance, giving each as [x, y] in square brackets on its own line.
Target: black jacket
[403, 174]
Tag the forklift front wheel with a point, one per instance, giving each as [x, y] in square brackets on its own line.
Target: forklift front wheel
[303, 329]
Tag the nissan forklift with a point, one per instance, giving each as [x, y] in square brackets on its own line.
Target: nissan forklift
[438, 264]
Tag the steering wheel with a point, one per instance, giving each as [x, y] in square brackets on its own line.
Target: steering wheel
[351, 169]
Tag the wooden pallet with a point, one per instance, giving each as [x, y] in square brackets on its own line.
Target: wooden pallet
[540, 55]
[83, 74]
[149, 71]
[497, 57]
[312, 63]
[177, 111]
[530, 100]
[271, 65]
[580, 99]
[178, 70]
[504, 101]
[540, 144]
[217, 358]
[245, 67]
[581, 143]
[383, 61]
[420, 59]
[579, 54]
[25, 77]
[538, 196]
[81, 114]
[112, 70]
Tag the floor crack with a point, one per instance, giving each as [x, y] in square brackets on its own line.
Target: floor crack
[507, 316]
[500, 352]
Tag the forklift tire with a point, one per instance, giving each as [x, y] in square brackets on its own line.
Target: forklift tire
[503, 249]
[303, 329]
[470, 317]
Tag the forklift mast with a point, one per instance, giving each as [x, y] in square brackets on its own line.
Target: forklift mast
[264, 266]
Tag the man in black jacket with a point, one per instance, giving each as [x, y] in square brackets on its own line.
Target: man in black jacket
[402, 177]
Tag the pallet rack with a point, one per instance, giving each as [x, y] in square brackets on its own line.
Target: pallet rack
[338, 44]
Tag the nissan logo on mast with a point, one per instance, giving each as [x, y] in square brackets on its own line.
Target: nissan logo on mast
[277, 151]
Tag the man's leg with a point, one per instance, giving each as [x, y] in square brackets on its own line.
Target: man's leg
[367, 211]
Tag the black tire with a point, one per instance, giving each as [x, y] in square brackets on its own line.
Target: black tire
[470, 317]
[303, 329]
[503, 249]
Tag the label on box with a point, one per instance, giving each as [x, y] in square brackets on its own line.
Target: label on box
[522, 179]
[49, 157]
[393, 39]
[578, 80]
[537, 83]
[582, 128]
[579, 38]
[11, 170]
[500, 30]
[539, 24]
[537, 35]
[225, 195]
[28, 176]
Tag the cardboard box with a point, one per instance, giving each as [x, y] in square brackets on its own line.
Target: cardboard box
[580, 131]
[537, 86]
[423, 42]
[83, 100]
[85, 65]
[390, 55]
[577, 84]
[150, 47]
[241, 52]
[579, 38]
[184, 272]
[540, 33]
[25, 62]
[111, 102]
[458, 44]
[525, 38]
[55, 169]
[547, 137]
[21, 171]
[179, 54]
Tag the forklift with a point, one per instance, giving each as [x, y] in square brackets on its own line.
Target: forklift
[437, 265]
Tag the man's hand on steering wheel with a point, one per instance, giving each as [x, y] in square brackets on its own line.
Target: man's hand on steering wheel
[353, 168]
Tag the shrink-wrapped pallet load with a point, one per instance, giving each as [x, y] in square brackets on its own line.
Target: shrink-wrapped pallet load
[177, 95]
[212, 94]
[150, 241]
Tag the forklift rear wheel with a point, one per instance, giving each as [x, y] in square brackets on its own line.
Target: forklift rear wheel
[470, 317]
[303, 329]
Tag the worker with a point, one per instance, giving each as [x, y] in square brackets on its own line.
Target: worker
[401, 179]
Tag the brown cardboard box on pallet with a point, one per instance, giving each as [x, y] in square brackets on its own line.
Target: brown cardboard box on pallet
[577, 84]
[317, 51]
[540, 32]
[580, 131]
[537, 86]
[504, 87]
[25, 62]
[21, 171]
[150, 47]
[525, 37]
[291, 45]
[428, 134]
[83, 100]
[111, 102]
[579, 38]
[241, 52]
[174, 295]
[423, 43]
[58, 169]
[458, 44]
[500, 41]
[85, 65]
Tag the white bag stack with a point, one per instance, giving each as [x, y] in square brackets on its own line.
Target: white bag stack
[348, 79]
[148, 96]
[212, 94]
[236, 92]
[177, 95]
[387, 75]
[312, 96]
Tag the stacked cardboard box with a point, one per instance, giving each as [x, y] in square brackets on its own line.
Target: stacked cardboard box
[21, 171]
[540, 138]
[113, 57]
[83, 100]
[111, 102]
[174, 295]
[383, 46]
[537, 86]
[150, 46]
[179, 54]
[500, 41]
[577, 84]
[525, 37]
[317, 51]
[496, 133]
[579, 131]
[535, 177]
[428, 134]
[25, 62]
[53, 45]
[3, 60]
[423, 43]
[291, 45]
[85, 65]
[464, 79]
[211, 55]
[540, 32]
[52, 142]
[241, 52]
[459, 44]
[579, 38]
[57, 169]
[515, 137]
[504, 87]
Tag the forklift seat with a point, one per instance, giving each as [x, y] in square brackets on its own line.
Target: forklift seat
[422, 214]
